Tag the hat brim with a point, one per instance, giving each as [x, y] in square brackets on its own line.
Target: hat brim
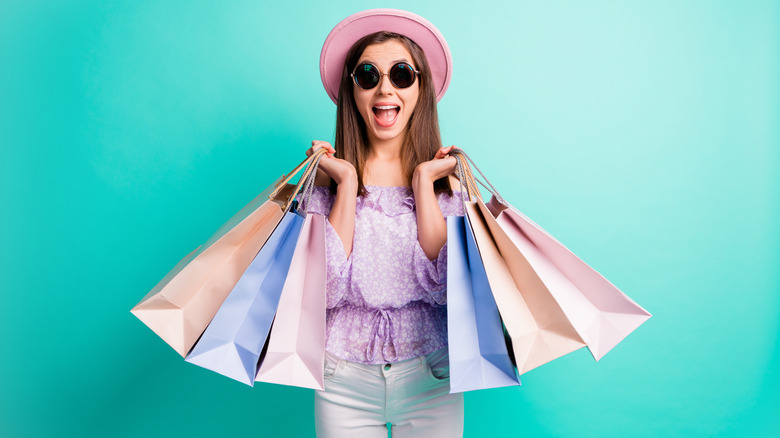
[356, 26]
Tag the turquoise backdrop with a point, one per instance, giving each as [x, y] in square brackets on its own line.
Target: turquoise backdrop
[645, 135]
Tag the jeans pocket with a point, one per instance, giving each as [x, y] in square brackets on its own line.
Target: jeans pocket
[438, 364]
[332, 363]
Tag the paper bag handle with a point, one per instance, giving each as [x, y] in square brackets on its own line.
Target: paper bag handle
[309, 172]
[469, 190]
[463, 164]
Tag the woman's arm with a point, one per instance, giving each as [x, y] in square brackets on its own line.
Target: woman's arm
[431, 226]
[342, 214]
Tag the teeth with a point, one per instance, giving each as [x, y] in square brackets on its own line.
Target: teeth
[386, 107]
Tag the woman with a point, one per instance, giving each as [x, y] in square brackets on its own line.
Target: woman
[386, 189]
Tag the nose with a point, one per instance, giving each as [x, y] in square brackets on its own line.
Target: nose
[384, 86]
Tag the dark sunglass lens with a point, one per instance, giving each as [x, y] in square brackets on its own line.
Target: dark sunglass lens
[402, 75]
[366, 76]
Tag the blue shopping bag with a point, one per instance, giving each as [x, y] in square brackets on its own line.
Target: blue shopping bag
[232, 342]
[477, 349]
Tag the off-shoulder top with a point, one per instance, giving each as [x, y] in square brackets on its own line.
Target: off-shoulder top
[386, 302]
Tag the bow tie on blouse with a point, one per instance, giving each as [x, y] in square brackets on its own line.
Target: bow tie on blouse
[381, 342]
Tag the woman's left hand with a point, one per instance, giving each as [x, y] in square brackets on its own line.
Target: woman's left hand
[431, 226]
[440, 166]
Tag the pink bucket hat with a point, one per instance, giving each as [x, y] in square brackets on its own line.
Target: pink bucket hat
[356, 26]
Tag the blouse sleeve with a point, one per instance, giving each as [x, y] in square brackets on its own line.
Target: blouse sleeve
[451, 205]
[432, 274]
[338, 267]
[320, 202]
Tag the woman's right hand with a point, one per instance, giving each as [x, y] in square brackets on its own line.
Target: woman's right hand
[341, 171]
[342, 213]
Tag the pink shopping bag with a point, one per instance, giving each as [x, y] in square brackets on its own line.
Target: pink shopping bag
[295, 352]
[602, 314]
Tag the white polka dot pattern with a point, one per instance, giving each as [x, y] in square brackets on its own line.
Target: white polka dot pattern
[386, 302]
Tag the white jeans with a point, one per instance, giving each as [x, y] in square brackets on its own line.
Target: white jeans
[413, 396]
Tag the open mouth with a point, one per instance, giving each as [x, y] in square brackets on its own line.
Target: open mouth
[385, 115]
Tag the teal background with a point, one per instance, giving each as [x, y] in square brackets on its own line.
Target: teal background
[644, 135]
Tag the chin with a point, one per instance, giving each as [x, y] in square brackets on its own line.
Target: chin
[390, 133]
[387, 134]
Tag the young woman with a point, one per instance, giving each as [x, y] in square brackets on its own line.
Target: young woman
[386, 188]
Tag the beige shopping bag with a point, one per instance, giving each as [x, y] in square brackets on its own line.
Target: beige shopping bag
[182, 304]
[538, 327]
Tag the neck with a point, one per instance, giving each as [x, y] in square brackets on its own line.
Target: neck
[383, 163]
[385, 150]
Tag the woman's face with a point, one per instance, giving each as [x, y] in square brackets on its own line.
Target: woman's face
[386, 109]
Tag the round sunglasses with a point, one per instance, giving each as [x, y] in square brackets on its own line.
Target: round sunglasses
[367, 75]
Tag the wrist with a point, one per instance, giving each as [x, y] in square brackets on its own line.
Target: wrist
[421, 179]
[347, 178]
[347, 182]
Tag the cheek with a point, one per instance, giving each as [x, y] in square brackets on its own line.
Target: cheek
[362, 107]
[412, 100]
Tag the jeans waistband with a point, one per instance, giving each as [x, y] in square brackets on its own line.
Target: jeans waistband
[434, 358]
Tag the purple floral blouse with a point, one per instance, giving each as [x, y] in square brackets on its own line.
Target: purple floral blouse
[386, 301]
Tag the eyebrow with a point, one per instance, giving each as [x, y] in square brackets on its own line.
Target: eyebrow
[394, 61]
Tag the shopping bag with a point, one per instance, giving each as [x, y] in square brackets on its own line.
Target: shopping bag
[232, 342]
[477, 349]
[536, 324]
[539, 329]
[182, 304]
[601, 314]
[295, 353]
[599, 311]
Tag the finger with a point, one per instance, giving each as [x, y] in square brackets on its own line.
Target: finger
[320, 143]
[317, 144]
[442, 152]
[329, 151]
[313, 149]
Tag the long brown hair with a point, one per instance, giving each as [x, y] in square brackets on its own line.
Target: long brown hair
[422, 138]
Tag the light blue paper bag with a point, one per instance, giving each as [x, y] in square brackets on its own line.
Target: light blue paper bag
[233, 341]
[477, 350]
